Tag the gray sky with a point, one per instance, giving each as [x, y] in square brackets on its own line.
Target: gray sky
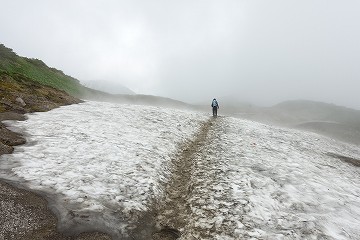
[259, 51]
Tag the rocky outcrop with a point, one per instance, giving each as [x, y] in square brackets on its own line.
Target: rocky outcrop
[8, 139]
[22, 95]
[19, 95]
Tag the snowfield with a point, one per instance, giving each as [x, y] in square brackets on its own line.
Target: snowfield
[264, 182]
[101, 157]
[106, 163]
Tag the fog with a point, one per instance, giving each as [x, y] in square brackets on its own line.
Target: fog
[260, 51]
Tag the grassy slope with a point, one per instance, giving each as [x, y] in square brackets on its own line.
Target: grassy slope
[38, 71]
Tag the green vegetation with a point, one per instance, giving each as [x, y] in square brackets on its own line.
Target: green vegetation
[36, 70]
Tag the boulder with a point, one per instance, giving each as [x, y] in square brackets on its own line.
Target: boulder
[20, 101]
[5, 149]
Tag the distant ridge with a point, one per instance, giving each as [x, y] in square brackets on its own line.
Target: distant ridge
[319, 111]
[324, 118]
[108, 87]
[137, 99]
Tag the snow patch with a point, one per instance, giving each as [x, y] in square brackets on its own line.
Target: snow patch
[101, 157]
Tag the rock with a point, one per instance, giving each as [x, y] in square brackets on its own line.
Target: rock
[10, 138]
[5, 149]
[21, 101]
[11, 116]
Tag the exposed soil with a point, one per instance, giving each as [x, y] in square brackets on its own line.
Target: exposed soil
[172, 214]
[25, 215]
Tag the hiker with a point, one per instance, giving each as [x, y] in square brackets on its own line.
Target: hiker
[215, 107]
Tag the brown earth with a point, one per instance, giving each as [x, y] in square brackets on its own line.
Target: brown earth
[24, 214]
[171, 216]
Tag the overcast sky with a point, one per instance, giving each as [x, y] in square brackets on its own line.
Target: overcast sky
[259, 51]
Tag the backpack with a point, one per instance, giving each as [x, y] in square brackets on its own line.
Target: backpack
[214, 103]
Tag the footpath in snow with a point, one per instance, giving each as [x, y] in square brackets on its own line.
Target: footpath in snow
[254, 181]
[140, 171]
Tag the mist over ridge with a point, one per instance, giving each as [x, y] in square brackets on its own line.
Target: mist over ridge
[108, 86]
[258, 51]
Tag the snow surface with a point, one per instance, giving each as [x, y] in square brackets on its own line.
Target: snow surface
[255, 181]
[102, 157]
[250, 180]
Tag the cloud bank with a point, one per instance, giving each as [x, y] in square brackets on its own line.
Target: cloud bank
[258, 51]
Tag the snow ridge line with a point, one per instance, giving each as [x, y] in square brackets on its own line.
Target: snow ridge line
[166, 218]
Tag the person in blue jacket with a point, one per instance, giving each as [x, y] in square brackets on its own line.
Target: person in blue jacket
[215, 106]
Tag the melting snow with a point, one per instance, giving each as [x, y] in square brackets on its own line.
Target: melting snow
[102, 157]
[251, 181]
[255, 181]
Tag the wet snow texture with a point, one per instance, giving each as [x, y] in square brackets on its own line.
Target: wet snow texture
[104, 158]
[247, 180]
[253, 181]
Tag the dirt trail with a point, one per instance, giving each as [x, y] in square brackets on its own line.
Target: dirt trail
[175, 207]
[198, 200]
[167, 217]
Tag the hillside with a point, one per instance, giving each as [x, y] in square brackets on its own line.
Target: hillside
[327, 119]
[37, 70]
[15, 67]
[317, 111]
